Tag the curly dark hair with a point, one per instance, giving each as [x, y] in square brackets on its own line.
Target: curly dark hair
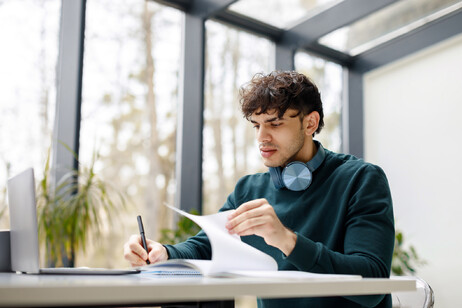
[281, 90]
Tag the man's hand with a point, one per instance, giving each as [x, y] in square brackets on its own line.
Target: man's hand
[137, 256]
[258, 217]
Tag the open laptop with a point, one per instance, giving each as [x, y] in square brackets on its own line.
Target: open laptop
[24, 232]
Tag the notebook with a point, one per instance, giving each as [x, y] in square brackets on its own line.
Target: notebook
[24, 232]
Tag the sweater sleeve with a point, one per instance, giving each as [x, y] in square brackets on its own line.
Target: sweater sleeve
[198, 246]
[369, 235]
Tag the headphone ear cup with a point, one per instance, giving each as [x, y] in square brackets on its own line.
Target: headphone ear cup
[296, 176]
[276, 176]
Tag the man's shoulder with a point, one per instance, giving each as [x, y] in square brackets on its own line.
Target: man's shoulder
[350, 164]
[350, 171]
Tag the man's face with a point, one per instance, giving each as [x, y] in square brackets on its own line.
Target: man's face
[280, 140]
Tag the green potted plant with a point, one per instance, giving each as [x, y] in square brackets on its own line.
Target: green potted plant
[405, 259]
[74, 210]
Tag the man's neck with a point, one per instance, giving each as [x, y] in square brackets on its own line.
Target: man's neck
[307, 152]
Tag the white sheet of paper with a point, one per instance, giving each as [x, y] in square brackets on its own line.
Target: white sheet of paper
[229, 252]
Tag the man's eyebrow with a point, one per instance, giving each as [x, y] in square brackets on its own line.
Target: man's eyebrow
[268, 120]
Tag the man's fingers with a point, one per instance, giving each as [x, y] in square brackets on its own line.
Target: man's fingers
[134, 259]
[247, 215]
[137, 248]
[244, 207]
[134, 251]
[157, 252]
[249, 226]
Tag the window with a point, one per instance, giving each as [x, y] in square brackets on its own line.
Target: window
[129, 107]
[328, 77]
[29, 32]
[289, 12]
[229, 148]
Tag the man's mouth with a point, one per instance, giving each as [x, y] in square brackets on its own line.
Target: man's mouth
[267, 152]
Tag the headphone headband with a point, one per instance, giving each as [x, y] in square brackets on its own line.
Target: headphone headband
[318, 158]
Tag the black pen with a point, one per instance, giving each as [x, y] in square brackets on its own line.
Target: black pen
[143, 237]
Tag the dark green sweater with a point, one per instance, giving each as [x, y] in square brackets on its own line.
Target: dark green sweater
[343, 221]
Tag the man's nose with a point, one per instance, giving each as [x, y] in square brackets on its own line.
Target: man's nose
[263, 135]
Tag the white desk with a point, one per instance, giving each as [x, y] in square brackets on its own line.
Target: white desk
[53, 290]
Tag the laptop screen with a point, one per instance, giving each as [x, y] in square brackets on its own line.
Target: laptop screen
[23, 222]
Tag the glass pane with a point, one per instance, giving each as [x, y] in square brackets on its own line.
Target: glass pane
[388, 23]
[289, 12]
[130, 87]
[328, 77]
[29, 31]
[230, 150]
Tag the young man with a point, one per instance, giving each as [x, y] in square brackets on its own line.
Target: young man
[314, 210]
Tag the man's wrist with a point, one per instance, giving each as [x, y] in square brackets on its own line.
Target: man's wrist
[289, 244]
[166, 251]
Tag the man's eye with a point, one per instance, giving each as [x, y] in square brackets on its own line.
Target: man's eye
[256, 126]
[276, 124]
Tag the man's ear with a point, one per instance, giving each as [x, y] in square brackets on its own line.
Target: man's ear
[311, 123]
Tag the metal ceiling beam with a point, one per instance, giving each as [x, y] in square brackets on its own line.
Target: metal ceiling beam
[342, 14]
[177, 4]
[329, 54]
[423, 37]
[199, 8]
[208, 8]
[248, 24]
[217, 9]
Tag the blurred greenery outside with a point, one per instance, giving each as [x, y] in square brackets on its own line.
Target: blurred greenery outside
[129, 105]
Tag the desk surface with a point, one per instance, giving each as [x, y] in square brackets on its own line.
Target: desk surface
[52, 290]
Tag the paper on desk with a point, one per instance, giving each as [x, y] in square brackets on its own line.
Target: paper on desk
[229, 253]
